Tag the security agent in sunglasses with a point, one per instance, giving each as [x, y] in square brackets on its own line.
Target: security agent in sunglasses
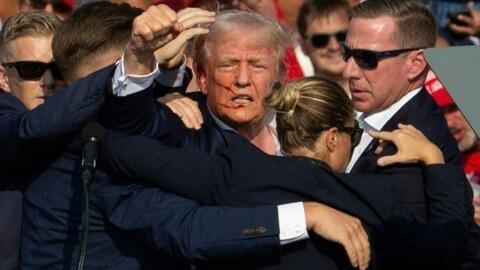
[323, 26]
[27, 79]
[386, 70]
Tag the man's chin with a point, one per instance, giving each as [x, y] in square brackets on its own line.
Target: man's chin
[244, 120]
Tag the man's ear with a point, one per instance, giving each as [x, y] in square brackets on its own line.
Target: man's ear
[201, 76]
[418, 64]
[4, 80]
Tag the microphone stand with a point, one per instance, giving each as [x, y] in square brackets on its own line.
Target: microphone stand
[86, 180]
[93, 131]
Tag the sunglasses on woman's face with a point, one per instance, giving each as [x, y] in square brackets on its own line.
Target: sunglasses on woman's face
[34, 70]
[355, 134]
[321, 40]
[368, 59]
[59, 6]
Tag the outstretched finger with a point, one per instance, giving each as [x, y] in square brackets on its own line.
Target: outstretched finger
[382, 135]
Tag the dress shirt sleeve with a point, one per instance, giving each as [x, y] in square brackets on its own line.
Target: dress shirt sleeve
[292, 223]
[127, 84]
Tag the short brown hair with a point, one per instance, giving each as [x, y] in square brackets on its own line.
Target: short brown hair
[92, 29]
[319, 8]
[416, 25]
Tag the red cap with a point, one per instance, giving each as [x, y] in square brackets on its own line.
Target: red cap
[68, 2]
[438, 91]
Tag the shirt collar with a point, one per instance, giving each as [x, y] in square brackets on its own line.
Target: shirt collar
[271, 126]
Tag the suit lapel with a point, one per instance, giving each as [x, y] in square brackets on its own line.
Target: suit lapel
[367, 160]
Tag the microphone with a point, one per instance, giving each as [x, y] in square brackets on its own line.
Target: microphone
[92, 134]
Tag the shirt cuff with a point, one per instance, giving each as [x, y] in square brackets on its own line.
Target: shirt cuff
[292, 222]
[127, 84]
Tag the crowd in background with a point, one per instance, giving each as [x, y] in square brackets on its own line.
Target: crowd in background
[250, 76]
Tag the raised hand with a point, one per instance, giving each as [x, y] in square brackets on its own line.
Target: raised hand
[194, 22]
[412, 146]
[471, 22]
[151, 30]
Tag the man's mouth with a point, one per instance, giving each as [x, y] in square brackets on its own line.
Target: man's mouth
[242, 99]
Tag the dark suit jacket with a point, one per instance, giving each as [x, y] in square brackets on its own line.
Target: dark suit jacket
[240, 190]
[142, 232]
[25, 148]
[423, 113]
[240, 174]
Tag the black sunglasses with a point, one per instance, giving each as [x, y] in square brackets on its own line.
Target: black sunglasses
[59, 6]
[34, 70]
[369, 59]
[321, 40]
[355, 134]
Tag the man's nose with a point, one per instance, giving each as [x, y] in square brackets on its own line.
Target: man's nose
[48, 82]
[351, 68]
[243, 74]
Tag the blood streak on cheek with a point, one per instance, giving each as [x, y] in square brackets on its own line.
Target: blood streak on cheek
[230, 90]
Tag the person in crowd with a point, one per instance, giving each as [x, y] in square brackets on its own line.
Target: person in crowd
[386, 70]
[27, 74]
[174, 219]
[323, 25]
[467, 139]
[61, 8]
[316, 128]
[8, 8]
[458, 21]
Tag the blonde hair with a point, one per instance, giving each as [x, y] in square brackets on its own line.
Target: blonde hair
[31, 23]
[305, 108]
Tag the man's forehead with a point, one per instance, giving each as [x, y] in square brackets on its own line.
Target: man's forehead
[244, 50]
[366, 33]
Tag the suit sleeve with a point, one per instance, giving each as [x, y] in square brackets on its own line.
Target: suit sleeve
[441, 240]
[29, 135]
[437, 242]
[187, 231]
[188, 173]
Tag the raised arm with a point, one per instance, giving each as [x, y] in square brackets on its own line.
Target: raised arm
[27, 136]
[161, 41]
